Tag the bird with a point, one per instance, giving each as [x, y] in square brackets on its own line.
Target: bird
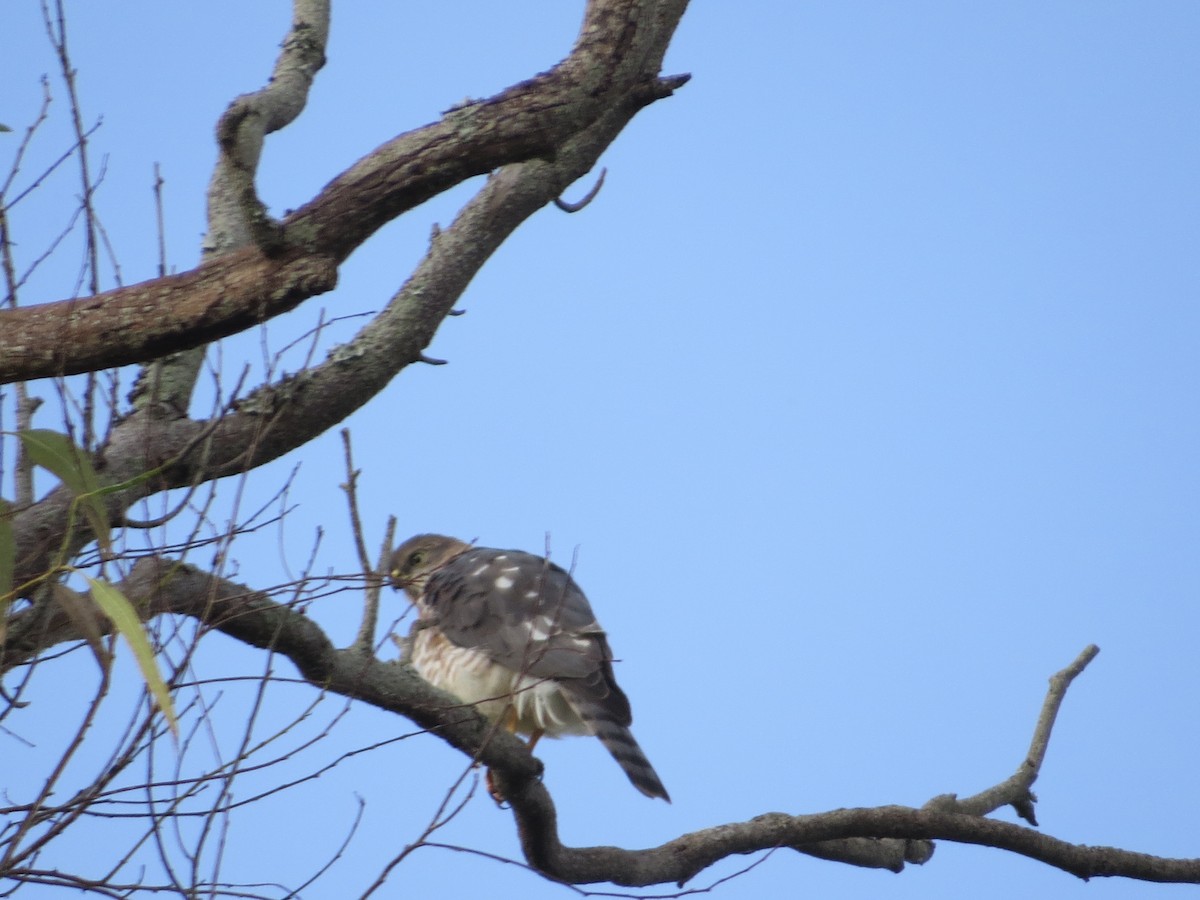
[511, 634]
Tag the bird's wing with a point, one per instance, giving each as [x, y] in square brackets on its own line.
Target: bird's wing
[525, 613]
[528, 615]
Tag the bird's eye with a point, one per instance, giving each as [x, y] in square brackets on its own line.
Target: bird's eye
[415, 559]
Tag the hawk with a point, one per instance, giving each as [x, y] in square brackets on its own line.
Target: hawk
[513, 635]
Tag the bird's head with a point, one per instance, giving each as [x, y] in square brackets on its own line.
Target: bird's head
[418, 557]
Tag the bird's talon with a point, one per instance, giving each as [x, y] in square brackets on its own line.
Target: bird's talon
[494, 792]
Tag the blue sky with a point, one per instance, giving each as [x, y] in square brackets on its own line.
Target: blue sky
[865, 393]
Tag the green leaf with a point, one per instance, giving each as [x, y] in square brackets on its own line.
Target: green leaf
[84, 616]
[125, 619]
[55, 453]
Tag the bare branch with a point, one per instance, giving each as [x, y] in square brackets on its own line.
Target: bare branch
[588, 197]
[160, 227]
[211, 301]
[251, 617]
[281, 417]
[365, 642]
[235, 215]
[609, 71]
[1015, 791]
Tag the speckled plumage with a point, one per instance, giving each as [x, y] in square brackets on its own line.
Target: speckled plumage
[512, 634]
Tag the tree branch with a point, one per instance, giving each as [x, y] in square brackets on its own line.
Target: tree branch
[614, 65]
[147, 320]
[236, 217]
[281, 417]
[1015, 790]
[843, 835]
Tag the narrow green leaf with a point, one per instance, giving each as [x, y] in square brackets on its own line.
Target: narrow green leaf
[55, 453]
[86, 619]
[125, 619]
[93, 508]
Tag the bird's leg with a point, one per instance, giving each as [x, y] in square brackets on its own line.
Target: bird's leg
[509, 723]
[534, 737]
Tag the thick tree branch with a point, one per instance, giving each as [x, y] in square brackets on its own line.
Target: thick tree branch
[245, 287]
[614, 64]
[236, 217]
[143, 321]
[274, 421]
[281, 417]
[844, 835]
[196, 307]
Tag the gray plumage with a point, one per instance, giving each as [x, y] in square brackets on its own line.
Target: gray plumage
[512, 634]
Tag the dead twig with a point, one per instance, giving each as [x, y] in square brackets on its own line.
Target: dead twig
[588, 197]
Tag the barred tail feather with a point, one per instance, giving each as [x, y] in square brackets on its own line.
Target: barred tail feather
[619, 741]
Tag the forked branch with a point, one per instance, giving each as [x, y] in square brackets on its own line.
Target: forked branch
[612, 68]
[842, 835]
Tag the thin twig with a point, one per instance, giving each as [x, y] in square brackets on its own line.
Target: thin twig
[588, 198]
[58, 39]
[26, 405]
[160, 227]
[351, 488]
[365, 642]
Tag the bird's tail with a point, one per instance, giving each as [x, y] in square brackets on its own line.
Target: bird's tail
[620, 743]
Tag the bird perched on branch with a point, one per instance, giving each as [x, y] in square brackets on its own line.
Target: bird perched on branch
[513, 635]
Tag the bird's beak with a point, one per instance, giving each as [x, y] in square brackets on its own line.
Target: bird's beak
[398, 583]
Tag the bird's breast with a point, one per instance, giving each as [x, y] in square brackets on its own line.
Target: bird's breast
[474, 678]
